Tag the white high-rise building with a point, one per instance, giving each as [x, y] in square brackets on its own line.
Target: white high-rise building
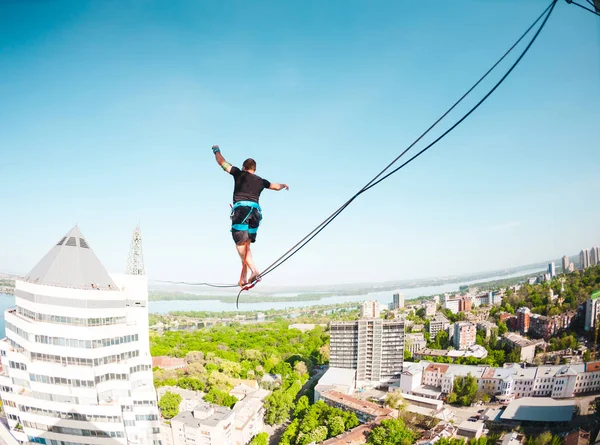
[552, 269]
[584, 259]
[76, 365]
[398, 301]
[591, 311]
[565, 264]
[370, 309]
[594, 256]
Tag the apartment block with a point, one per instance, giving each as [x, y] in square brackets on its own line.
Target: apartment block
[374, 347]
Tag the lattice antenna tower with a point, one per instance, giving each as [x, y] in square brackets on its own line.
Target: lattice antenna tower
[135, 262]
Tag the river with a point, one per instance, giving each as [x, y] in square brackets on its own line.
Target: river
[162, 307]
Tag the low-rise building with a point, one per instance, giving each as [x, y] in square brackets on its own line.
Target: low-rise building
[438, 323]
[525, 346]
[341, 380]
[430, 308]
[452, 304]
[206, 424]
[475, 351]
[189, 399]
[488, 327]
[414, 342]
[365, 411]
[166, 362]
[470, 430]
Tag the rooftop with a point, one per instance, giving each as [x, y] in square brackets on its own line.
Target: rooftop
[358, 405]
[521, 341]
[71, 263]
[470, 426]
[592, 367]
[214, 415]
[513, 439]
[163, 361]
[539, 409]
[338, 376]
[355, 436]
[435, 367]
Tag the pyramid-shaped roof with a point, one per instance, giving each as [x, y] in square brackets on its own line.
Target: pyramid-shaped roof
[71, 263]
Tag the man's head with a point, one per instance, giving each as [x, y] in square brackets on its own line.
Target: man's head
[249, 165]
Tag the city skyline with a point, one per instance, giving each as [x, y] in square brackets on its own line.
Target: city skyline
[109, 115]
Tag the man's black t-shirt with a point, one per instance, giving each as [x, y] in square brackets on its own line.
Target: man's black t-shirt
[248, 186]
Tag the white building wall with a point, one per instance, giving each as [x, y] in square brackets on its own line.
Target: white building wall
[76, 366]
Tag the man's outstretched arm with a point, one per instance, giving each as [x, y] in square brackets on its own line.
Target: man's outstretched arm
[275, 186]
[220, 159]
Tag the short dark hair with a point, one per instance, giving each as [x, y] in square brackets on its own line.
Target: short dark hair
[249, 164]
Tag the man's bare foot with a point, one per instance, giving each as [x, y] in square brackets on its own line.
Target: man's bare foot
[254, 277]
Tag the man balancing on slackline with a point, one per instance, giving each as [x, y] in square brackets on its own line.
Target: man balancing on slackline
[246, 214]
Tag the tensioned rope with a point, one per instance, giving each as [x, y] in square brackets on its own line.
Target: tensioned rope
[379, 178]
[593, 11]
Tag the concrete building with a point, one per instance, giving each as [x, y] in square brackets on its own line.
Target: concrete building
[565, 264]
[465, 304]
[591, 311]
[414, 342]
[488, 327]
[398, 301]
[76, 360]
[509, 382]
[189, 399]
[365, 411]
[464, 335]
[594, 256]
[552, 269]
[470, 430]
[248, 420]
[207, 424]
[584, 259]
[452, 304]
[336, 379]
[165, 362]
[523, 319]
[525, 346]
[541, 326]
[430, 308]
[370, 309]
[437, 324]
[374, 347]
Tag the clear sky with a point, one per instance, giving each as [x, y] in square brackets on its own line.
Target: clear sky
[108, 111]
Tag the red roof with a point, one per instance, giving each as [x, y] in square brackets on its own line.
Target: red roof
[437, 368]
[592, 367]
[164, 361]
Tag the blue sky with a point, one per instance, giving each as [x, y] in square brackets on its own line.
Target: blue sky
[108, 111]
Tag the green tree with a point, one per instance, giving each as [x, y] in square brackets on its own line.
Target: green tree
[301, 406]
[336, 426]
[587, 356]
[395, 400]
[502, 329]
[221, 398]
[391, 432]
[169, 405]
[260, 439]
[543, 439]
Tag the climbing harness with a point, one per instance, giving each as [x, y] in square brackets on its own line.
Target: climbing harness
[243, 225]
